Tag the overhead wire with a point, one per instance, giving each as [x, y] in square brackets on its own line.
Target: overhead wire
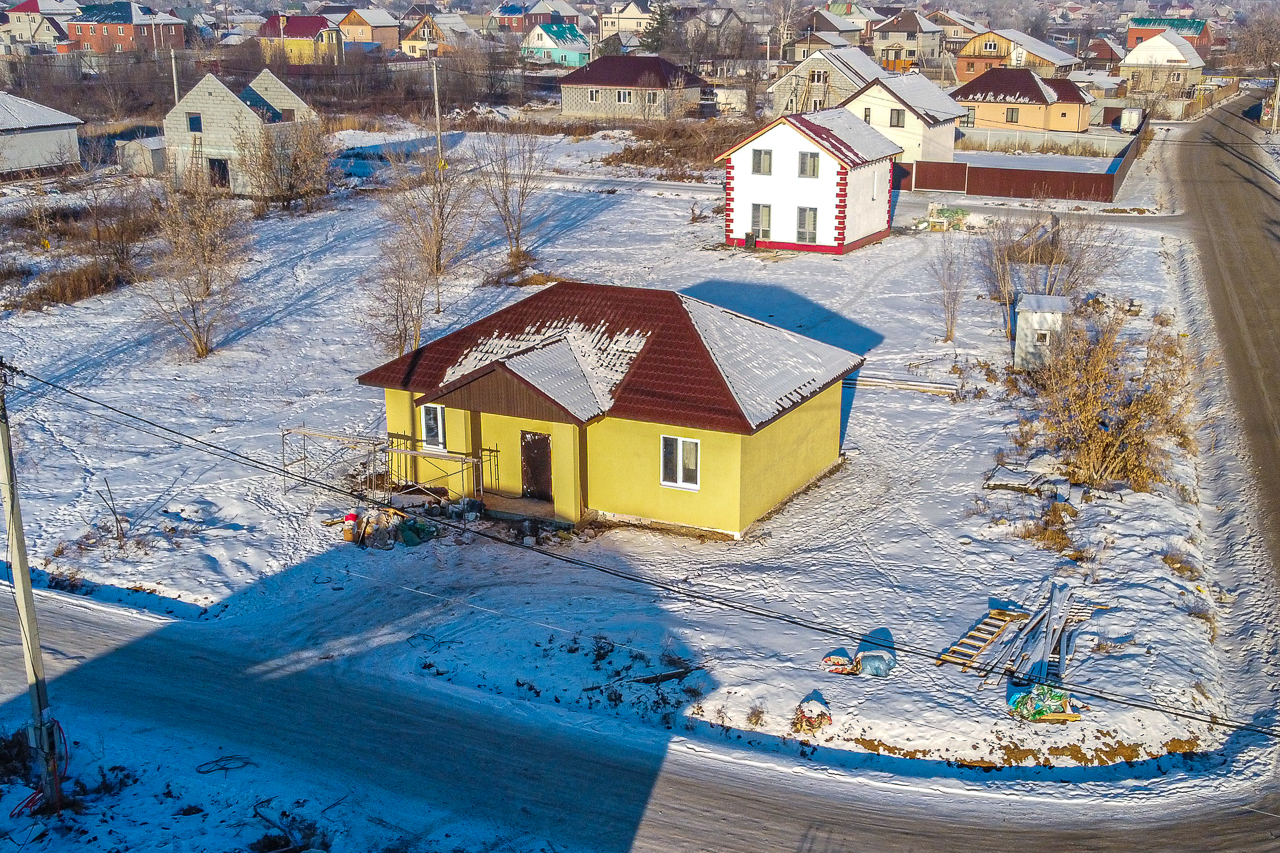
[685, 592]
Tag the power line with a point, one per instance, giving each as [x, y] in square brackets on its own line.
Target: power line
[681, 591]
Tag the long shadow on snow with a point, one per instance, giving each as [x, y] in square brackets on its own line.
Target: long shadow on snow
[474, 754]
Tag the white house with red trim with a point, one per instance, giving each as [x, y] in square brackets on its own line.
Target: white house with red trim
[813, 183]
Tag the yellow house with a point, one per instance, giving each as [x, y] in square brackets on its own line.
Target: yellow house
[301, 40]
[1020, 99]
[624, 403]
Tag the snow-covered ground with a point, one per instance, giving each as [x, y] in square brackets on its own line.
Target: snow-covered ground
[902, 540]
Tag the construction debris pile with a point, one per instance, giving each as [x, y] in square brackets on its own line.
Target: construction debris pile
[381, 529]
[1033, 655]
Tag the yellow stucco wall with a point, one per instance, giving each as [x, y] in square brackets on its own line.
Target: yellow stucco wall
[403, 420]
[788, 453]
[502, 433]
[1031, 116]
[624, 475]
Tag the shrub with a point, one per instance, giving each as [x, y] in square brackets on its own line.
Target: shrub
[66, 287]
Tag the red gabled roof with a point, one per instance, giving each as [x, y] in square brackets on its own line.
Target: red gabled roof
[635, 72]
[295, 26]
[27, 6]
[1018, 86]
[673, 380]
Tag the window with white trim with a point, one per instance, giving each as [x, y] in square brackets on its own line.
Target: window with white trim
[806, 225]
[866, 114]
[808, 164]
[761, 161]
[970, 117]
[989, 46]
[1042, 338]
[432, 425]
[593, 95]
[897, 118]
[761, 215]
[624, 96]
[651, 98]
[680, 462]
[1175, 77]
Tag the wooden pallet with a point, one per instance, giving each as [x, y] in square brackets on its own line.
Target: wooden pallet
[965, 652]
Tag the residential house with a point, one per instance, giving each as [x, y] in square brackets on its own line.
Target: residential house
[124, 27]
[1165, 64]
[630, 87]
[1197, 31]
[553, 12]
[371, 26]
[817, 182]
[209, 126]
[828, 23]
[717, 33]
[624, 403]
[619, 44]
[632, 16]
[957, 29]
[800, 49]
[907, 40]
[39, 21]
[1012, 49]
[824, 79]
[34, 137]
[1102, 54]
[442, 32]
[913, 113]
[301, 40]
[863, 17]
[561, 44]
[1020, 99]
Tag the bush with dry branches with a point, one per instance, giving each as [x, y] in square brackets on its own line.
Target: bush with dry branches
[512, 177]
[284, 163]
[1048, 255]
[1111, 404]
[199, 272]
[948, 267]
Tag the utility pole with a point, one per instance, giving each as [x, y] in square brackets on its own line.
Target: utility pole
[173, 64]
[435, 92]
[1275, 96]
[40, 735]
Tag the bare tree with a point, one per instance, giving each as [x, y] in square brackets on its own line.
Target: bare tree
[949, 269]
[512, 177]
[284, 163]
[1110, 404]
[1258, 42]
[199, 272]
[433, 211]
[1052, 256]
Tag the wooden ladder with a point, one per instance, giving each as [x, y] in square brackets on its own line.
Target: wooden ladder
[965, 652]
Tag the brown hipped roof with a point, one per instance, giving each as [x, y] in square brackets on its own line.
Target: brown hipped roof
[1019, 86]
[660, 347]
[635, 72]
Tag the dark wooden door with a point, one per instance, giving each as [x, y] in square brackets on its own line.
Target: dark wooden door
[535, 465]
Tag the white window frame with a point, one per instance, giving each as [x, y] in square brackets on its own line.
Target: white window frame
[681, 444]
[808, 167]
[1042, 337]
[437, 412]
[1011, 115]
[624, 96]
[808, 237]
[761, 161]
[593, 96]
[651, 98]
[762, 221]
[990, 46]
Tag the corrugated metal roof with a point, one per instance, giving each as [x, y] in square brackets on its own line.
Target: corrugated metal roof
[635, 353]
[1034, 302]
[20, 114]
[1195, 26]
[1019, 86]
[376, 17]
[909, 22]
[566, 36]
[1034, 46]
[1165, 42]
[295, 27]
[844, 136]
[922, 95]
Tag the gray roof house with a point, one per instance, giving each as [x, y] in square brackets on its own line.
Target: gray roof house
[34, 137]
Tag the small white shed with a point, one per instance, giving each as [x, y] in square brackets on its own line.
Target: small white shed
[1037, 320]
[144, 157]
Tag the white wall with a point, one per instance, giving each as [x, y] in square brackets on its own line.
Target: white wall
[38, 148]
[917, 140]
[785, 191]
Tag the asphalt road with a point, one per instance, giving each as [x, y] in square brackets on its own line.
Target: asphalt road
[1231, 192]
[579, 789]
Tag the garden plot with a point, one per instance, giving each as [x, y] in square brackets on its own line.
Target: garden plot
[901, 539]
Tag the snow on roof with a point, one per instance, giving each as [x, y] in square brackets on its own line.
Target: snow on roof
[47, 7]
[377, 17]
[1162, 49]
[909, 22]
[768, 369]
[923, 95]
[1096, 78]
[963, 20]
[1019, 86]
[154, 143]
[854, 64]
[123, 13]
[844, 136]
[1045, 51]
[839, 24]
[635, 353]
[1030, 302]
[20, 114]
[826, 37]
[566, 36]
